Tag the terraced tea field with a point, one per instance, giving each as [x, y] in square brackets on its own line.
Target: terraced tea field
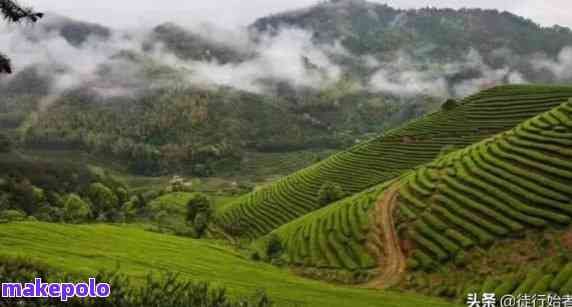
[497, 188]
[537, 281]
[376, 161]
[332, 237]
[268, 165]
[493, 189]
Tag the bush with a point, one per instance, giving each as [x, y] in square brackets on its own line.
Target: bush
[5, 143]
[199, 212]
[75, 209]
[449, 105]
[198, 203]
[329, 193]
[274, 247]
[8, 216]
[102, 198]
[122, 195]
[200, 223]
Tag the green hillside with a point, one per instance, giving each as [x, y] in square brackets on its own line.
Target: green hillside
[87, 249]
[378, 160]
[493, 189]
[497, 189]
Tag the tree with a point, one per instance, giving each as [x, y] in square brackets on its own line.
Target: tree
[449, 105]
[274, 246]
[75, 209]
[12, 12]
[199, 203]
[329, 193]
[103, 199]
[5, 142]
[199, 211]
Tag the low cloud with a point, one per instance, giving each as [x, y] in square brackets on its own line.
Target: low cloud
[120, 64]
[561, 67]
[290, 56]
[404, 76]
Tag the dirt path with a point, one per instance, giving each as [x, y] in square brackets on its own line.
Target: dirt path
[391, 260]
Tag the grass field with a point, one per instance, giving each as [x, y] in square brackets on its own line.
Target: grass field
[88, 248]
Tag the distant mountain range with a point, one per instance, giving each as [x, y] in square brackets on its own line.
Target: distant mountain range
[334, 71]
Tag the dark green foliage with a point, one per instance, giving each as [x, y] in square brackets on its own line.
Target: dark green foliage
[5, 64]
[76, 210]
[103, 199]
[51, 176]
[5, 143]
[200, 223]
[449, 105]
[7, 216]
[199, 203]
[274, 246]
[57, 192]
[330, 192]
[199, 212]
[205, 134]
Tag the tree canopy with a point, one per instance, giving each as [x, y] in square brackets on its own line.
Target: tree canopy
[12, 12]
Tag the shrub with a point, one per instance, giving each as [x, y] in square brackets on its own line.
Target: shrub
[274, 247]
[122, 195]
[131, 209]
[102, 198]
[23, 195]
[329, 193]
[200, 223]
[8, 216]
[199, 212]
[450, 104]
[199, 203]
[5, 143]
[75, 209]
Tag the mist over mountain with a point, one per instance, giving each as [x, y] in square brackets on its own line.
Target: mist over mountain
[335, 70]
[439, 52]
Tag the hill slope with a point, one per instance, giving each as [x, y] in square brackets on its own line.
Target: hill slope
[497, 189]
[100, 247]
[381, 159]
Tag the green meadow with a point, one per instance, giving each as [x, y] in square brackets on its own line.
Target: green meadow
[86, 249]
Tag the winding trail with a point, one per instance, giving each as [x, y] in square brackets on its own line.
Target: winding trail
[391, 260]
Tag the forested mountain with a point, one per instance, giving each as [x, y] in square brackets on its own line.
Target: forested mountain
[434, 34]
[319, 77]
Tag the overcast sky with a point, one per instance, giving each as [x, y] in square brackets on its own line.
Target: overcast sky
[241, 12]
